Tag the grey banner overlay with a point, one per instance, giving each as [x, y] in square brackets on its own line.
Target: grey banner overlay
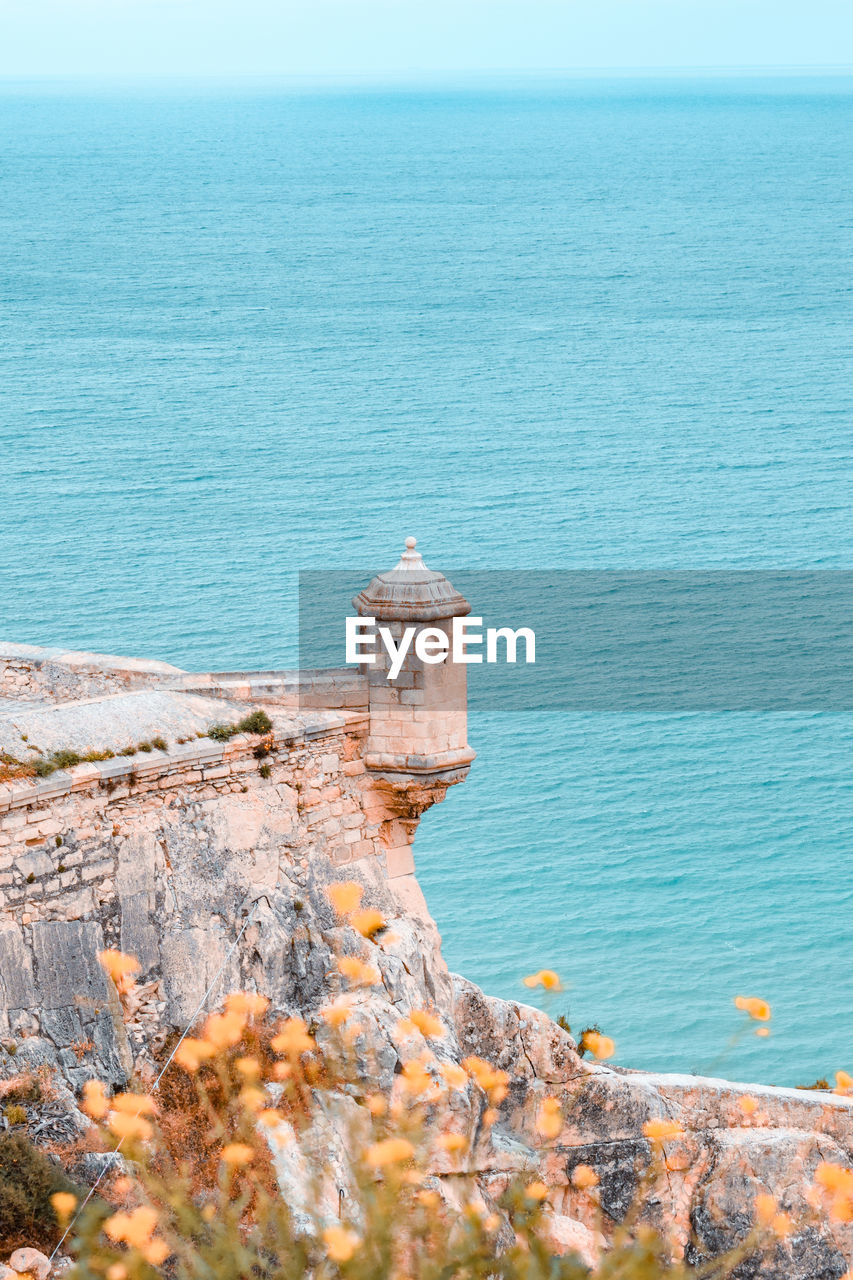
[642, 641]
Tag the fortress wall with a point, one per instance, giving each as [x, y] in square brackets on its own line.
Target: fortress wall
[168, 854]
[162, 856]
[29, 673]
[84, 803]
[32, 674]
[26, 681]
[325, 688]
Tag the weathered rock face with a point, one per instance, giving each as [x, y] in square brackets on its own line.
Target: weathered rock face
[712, 1175]
[172, 874]
[211, 864]
[288, 950]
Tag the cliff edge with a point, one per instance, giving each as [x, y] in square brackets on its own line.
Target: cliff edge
[124, 823]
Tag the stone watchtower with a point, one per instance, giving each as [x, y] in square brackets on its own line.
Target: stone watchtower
[417, 743]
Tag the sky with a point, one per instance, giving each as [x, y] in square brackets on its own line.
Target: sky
[389, 38]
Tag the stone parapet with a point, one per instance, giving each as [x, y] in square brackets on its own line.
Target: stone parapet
[157, 855]
[30, 673]
[343, 687]
[150, 770]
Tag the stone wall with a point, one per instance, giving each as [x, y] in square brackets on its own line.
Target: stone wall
[32, 674]
[163, 854]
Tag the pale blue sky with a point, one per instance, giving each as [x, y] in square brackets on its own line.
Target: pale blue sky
[403, 37]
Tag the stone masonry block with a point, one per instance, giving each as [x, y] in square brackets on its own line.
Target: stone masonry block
[400, 861]
[35, 864]
[66, 962]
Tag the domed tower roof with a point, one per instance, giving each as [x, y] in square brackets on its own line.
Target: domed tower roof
[410, 592]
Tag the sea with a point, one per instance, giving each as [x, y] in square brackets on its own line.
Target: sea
[573, 323]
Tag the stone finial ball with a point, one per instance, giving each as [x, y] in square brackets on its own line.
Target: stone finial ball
[411, 543]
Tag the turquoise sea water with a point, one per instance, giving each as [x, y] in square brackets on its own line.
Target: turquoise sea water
[603, 324]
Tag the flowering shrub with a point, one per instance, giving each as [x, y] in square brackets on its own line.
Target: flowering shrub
[268, 1152]
[28, 1179]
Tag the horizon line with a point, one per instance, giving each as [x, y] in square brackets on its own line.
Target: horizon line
[409, 75]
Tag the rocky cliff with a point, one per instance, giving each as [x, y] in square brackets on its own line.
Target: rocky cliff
[210, 858]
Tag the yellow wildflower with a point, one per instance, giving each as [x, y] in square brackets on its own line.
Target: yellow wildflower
[120, 968]
[429, 1199]
[454, 1076]
[368, 922]
[662, 1130]
[249, 1068]
[494, 1082]
[191, 1053]
[247, 1004]
[427, 1023]
[748, 1104]
[584, 1177]
[490, 1116]
[536, 1191]
[134, 1104]
[270, 1117]
[252, 1098]
[293, 1038]
[341, 1243]
[64, 1204]
[237, 1153]
[116, 1271]
[358, 972]
[376, 1105]
[597, 1044]
[549, 1120]
[765, 1207]
[768, 1215]
[843, 1083]
[834, 1177]
[758, 1009]
[546, 978]
[336, 1013]
[128, 1126]
[224, 1030]
[134, 1228]
[452, 1141]
[345, 896]
[95, 1101]
[389, 1151]
[156, 1252]
[115, 1226]
[416, 1079]
[841, 1209]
